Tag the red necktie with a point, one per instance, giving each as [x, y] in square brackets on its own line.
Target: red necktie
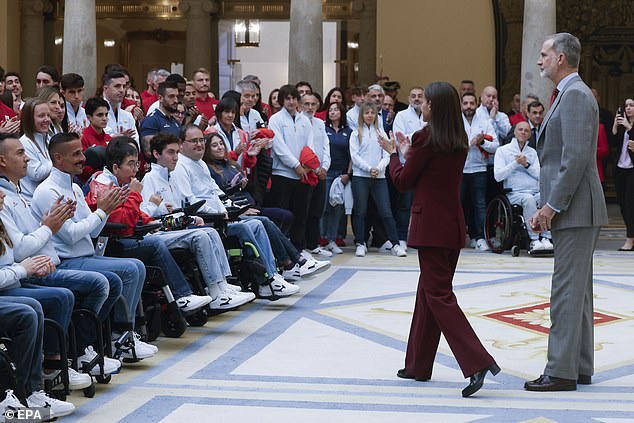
[554, 96]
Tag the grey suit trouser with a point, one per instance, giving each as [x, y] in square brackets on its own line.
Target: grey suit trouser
[571, 339]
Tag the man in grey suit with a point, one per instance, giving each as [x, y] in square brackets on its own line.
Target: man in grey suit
[573, 207]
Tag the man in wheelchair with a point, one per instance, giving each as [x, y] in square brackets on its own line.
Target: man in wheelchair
[517, 166]
[120, 170]
[163, 183]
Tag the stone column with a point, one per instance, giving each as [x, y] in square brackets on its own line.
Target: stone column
[540, 20]
[32, 41]
[305, 60]
[80, 42]
[367, 40]
[199, 45]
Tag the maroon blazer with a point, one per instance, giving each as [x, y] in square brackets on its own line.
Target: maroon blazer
[437, 219]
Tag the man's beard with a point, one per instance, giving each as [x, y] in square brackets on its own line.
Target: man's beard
[468, 113]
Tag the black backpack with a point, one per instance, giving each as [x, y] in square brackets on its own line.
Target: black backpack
[8, 379]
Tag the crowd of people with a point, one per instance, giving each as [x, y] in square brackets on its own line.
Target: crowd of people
[69, 163]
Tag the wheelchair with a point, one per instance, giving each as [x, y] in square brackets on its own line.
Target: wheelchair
[504, 226]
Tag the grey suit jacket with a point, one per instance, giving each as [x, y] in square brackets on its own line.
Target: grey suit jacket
[567, 148]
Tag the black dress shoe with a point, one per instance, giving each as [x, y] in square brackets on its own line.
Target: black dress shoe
[584, 380]
[477, 380]
[546, 383]
[404, 374]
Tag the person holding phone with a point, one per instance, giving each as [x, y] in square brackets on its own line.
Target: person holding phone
[624, 170]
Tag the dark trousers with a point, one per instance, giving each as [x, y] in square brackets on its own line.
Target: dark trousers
[22, 319]
[437, 311]
[315, 211]
[401, 203]
[473, 191]
[624, 184]
[292, 195]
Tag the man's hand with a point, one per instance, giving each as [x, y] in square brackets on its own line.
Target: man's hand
[10, 126]
[136, 186]
[59, 213]
[541, 221]
[374, 172]
[321, 174]
[156, 199]
[494, 109]
[111, 198]
[198, 221]
[169, 207]
[522, 160]
[252, 212]
[345, 179]
[239, 148]
[301, 172]
[477, 140]
[204, 123]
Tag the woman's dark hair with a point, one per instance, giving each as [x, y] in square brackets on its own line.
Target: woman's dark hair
[235, 96]
[227, 104]
[343, 122]
[328, 101]
[64, 122]
[277, 90]
[212, 161]
[118, 149]
[446, 128]
[94, 103]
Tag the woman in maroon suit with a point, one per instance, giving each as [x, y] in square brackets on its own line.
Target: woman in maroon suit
[433, 169]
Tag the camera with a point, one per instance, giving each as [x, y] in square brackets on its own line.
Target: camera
[620, 112]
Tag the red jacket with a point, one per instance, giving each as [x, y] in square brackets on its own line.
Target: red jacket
[127, 213]
[603, 150]
[308, 158]
[207, 107]
[90, 138]
[437, 218]
[6, 112]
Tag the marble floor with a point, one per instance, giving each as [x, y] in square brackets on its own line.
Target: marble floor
[331, 353]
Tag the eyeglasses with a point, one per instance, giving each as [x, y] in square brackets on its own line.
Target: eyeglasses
[196, 140]
[178, 113]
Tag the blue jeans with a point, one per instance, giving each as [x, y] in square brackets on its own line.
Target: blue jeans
[22, 319]
[152, 251]
[283, 248]
[125, 276]
[57, 304]
[473, 194]
[362, 188]
[207, 246]
[253, 231]
[91, 292]
[331, 218]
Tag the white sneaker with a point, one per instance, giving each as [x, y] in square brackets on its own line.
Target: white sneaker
[535, 245]
[399, 251]
[78, 380]
[386, 247]
[235, 291]
[403, 244]
[547, 244]
[142, 350]
[293, 274]
[9, 403]
[482, 245]
[58, 408]
[333, 247]
[193, 302]
[361, 250]
[110, 365]
[226, 301]
[321, 252]
[473, 243]
[313, 267]
[281, 288]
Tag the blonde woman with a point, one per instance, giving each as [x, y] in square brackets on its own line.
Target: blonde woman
[369, 161]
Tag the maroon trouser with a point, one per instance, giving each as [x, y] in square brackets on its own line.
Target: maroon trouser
[437, 311]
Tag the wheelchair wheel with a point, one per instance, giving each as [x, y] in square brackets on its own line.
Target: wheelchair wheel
[173, 324]
[153, 323]
[498, 228]
[103, 379]
[90, 391]
[197, 319]
[515, 251]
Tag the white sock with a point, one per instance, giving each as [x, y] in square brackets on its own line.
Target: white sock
[214, 291]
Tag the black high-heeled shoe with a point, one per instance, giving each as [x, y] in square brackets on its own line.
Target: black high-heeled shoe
[403, 373]
[477, 380]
